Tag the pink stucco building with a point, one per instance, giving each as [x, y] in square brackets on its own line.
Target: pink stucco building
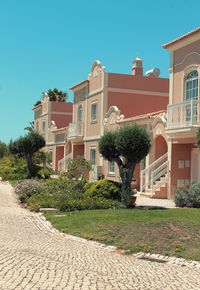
[168, 109]
[183, 110]
[104, 101]
[51, 120]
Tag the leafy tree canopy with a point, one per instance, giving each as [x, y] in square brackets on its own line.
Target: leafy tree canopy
[26, 146]
[4, 150]
[126, 146]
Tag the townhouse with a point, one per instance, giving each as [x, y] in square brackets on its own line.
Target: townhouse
[100, 96]
[183, 112]
[51, 120]
[168, 109]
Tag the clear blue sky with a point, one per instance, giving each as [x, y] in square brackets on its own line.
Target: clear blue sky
[53, 43]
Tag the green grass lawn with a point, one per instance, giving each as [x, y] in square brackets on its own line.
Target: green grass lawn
[171, 232]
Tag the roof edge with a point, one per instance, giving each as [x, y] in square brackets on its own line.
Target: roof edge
[168, 44]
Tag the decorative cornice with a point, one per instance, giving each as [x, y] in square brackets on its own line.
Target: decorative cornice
[113, 109]
[98, 64]
[187, 55]
[160, 119]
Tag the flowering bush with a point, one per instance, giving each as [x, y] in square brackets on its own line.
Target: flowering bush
[27, 188]
[63, 193]
[70, 203]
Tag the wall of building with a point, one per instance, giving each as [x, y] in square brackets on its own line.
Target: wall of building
[180, 168]
[78, 150]
[59, 155]
[134, 104]
[138, 82]
[61, 120]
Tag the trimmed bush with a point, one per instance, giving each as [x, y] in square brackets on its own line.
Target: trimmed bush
[188, 197]
[27, 188]
[105, 189]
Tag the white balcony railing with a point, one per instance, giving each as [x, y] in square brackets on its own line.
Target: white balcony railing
[184, 114]
[75, 130]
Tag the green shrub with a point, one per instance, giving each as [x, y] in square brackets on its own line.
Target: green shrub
[104, 188]
[27, 188]
[44, 173]
[188, 197]
[35, 202]
[66, 194]
[13, 168]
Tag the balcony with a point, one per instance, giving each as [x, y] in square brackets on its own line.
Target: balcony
[184, 115]
[75, 131]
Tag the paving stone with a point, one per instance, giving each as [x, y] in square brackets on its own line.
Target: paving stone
[33, 255]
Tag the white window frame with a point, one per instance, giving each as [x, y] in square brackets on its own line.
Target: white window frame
[111, 168]
[80, 109]
[94, 119]
[93, 161]
[51, 154]
[191, 80]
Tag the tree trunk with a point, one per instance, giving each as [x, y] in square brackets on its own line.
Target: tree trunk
[126, 174]
[30, 166]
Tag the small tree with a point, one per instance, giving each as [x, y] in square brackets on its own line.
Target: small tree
[25, 147]
[41, 157]
[4, 150]
[126, 146]
[79, 167]
[57, 96]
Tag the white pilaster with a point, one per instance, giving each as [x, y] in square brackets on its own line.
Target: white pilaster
[170, 166]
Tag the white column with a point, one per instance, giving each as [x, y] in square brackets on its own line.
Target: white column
[170, 165]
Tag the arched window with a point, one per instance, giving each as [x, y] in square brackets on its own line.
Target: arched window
[80, 112]
[191, 86]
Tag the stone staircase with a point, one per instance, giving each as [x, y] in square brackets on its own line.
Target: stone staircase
[62, 164]
[154, 178]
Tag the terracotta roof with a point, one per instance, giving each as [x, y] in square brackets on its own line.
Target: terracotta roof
[180, 38]
[85, 81]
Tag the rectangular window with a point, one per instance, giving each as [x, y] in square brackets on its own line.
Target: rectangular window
[51, 155]
[94, 112]
[111, 167]
[43, 126]
[93, 156]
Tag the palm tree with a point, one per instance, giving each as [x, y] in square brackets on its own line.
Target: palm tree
[57, 96]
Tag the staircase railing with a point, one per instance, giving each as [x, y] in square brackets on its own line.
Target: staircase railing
[159, 176]
[62, 163]
[146, 174]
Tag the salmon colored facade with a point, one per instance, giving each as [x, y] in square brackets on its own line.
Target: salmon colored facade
[51, 120]
[168, 109]
[102, 101]
[183, 111]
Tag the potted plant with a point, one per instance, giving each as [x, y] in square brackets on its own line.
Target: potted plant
[133, 196]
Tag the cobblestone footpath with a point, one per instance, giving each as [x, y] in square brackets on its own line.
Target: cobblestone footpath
[32, 256]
